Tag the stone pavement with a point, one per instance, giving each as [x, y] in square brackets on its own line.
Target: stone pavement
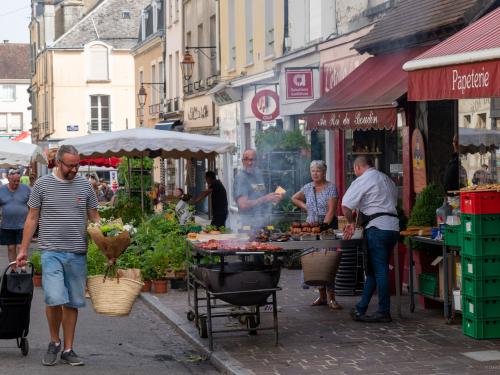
[317, 340]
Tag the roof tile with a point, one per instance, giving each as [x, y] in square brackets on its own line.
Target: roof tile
[14, 61]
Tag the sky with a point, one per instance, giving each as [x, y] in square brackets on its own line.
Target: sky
[14, 20]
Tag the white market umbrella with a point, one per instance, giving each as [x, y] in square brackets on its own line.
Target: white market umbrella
[149, 142]
[140, 142]
[14, 153]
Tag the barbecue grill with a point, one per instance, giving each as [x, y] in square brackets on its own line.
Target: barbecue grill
[240, 276]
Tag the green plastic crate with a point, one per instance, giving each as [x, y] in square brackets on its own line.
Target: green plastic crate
[488, 328]
[481, 287]
[480, 225]
[481, 307]
[428, 284]
[453, 235]
[480, 245]
[478, 267]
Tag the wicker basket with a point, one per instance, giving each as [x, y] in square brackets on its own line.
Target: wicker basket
[113, 297]
[320, 267]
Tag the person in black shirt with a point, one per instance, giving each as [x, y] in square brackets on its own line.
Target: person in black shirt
[455, 176]
[218, 195]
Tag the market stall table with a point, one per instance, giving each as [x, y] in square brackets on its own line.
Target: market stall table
[445, 250]
[257, 295]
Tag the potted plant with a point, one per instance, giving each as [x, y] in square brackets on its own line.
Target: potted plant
[157, 262]
[147, 271]
[36, 261]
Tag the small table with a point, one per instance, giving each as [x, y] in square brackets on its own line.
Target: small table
[447, 303]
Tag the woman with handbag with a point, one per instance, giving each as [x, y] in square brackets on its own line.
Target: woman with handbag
[319, 199]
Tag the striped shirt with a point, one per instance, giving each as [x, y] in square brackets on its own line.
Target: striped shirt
[63, 208]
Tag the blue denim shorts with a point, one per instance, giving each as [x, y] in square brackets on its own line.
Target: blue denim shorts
[64, 276]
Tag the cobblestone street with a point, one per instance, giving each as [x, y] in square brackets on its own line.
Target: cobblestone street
[317, 340]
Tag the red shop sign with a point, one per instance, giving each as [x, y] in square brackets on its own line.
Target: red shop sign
[475, 80]
[382, 118]
[262, 107]
[299, 84]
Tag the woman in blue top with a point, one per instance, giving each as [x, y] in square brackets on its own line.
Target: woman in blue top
[319, 199]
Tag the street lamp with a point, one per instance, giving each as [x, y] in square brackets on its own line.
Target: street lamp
[141, 96]
[187, 64]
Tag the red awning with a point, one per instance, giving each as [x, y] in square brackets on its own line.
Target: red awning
[366, 98]
[464, 66]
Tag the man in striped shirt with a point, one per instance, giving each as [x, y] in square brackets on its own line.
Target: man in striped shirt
[61, 204]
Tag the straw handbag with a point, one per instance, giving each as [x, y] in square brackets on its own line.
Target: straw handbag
[320, 266]
[113, 296]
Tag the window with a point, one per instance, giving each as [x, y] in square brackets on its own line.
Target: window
[170, 12]
[249, 31]
[16, 121]
[176, 10]
[161, 79]
[171, 76]
[467, 119]
[99, 63]
[126, 15]
[99, 113]
[11, 121]
[7, 93]
[481, 121]
[154, 96]
[269, 27]
[3, 121]
[177, 75]
[213, 42]
[314, 21]
[201, 58]
[231, 64]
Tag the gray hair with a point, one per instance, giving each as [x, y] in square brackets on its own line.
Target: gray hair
[318, 164]
[66, 149]
[13, 171]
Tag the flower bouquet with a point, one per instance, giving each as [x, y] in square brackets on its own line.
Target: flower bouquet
[112, 237]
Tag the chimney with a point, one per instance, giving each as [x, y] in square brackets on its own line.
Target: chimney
[72, 12]
[49, 21]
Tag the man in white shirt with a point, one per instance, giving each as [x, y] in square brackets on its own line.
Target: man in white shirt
[374, 194]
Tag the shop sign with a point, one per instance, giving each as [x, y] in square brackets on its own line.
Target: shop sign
[198, 112]
[384, 118]
[418, 161]
[467, 81]
[266, 105]
[335, 71]
[72, 128]
[299, 84]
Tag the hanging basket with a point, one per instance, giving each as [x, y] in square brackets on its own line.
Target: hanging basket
[320, 267]
[113, 296]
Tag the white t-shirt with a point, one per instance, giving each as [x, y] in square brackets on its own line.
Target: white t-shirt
[371, 193]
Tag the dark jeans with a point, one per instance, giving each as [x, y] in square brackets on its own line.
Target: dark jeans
[379, 246]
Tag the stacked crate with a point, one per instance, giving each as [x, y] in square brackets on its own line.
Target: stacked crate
[480, 253]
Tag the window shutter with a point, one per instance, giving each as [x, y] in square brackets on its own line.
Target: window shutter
[99, 63]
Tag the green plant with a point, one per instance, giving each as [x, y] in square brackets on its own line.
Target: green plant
[36, 261]
[424, 210]
[277, 139]
[96, 260]
[129, 259]
[156, 263]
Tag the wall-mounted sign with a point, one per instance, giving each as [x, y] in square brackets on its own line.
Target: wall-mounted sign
[382, 118]
[72, 128]
[299, 84]
[418, 161]
[266, 105]
[198, 112]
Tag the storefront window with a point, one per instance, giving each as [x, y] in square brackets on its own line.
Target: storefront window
[382, 146]
[479, 142]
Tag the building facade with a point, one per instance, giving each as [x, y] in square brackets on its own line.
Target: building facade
[15, 115]
[97, 94]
